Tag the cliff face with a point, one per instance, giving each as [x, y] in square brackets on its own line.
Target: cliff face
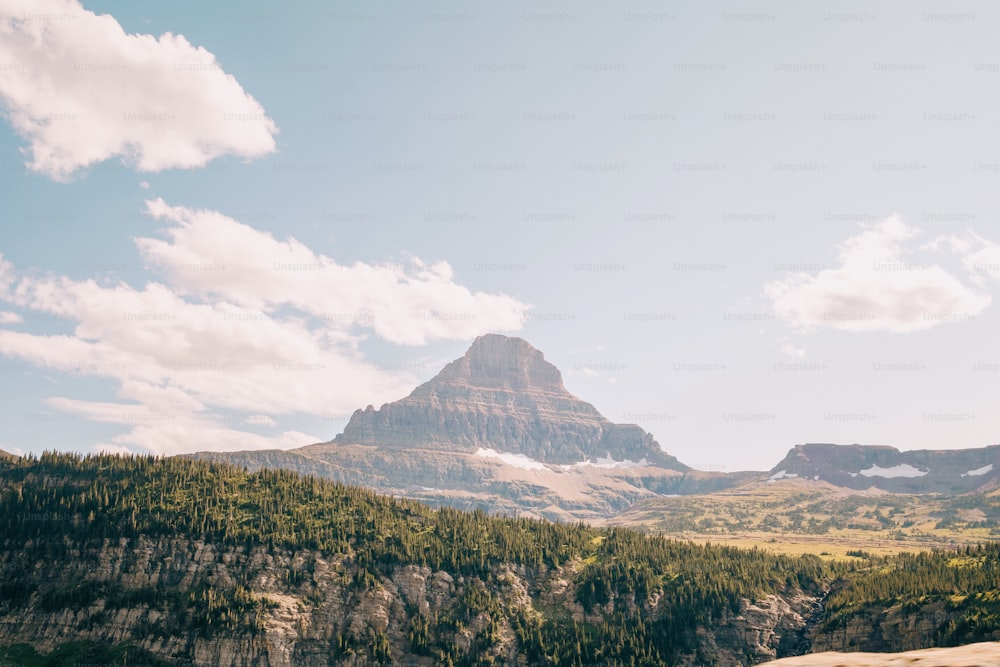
[312, 611]
[504, 396]
[893, 628]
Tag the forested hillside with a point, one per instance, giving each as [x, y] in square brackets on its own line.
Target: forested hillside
[194, 562]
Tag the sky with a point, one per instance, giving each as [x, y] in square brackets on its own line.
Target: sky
[741, 226]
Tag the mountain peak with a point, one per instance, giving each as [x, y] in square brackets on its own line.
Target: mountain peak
[500, 361]
[502, 395]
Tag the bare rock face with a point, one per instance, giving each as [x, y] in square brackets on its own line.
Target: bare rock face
[502, 395]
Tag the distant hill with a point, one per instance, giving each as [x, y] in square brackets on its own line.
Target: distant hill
[946, 471]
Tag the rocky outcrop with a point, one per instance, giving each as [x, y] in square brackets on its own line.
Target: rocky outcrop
[889, 628]
[504, 396]
[762, 630]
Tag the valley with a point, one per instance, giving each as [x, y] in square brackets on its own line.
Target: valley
[808, 516]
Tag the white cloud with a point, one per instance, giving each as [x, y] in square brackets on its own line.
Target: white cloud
[876, 288]
[7, 317]
[81, 90]
[792, 350]
[260, 420]
[210, 255]
[984, 262]
[157, 430]
[194, 360]
[106, 448]
[980, 256]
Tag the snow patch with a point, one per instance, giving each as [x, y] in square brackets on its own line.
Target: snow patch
[608, 462]
[516, 460]
[781, 474]
[902, 470]
[979, 471]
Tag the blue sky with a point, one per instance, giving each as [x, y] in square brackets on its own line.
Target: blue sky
[742, 227]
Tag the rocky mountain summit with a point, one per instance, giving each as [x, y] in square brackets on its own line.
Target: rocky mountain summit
[502, 395]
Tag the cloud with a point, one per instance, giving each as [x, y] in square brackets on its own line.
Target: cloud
[984, 262]
[212, 256]
[81, 90]
[228, 341]
[7, 317]
[876, 288]
[792, 350]
[980, 256]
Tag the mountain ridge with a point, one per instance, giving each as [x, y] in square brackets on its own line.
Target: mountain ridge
[859, 467]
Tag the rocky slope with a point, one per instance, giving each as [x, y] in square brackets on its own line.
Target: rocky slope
[918, 471]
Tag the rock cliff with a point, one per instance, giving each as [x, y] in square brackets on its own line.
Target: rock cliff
[313, 612]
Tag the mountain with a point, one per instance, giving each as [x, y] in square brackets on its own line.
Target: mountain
[172, 561]
[502, 395]
[495, 429]
[947, 471]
